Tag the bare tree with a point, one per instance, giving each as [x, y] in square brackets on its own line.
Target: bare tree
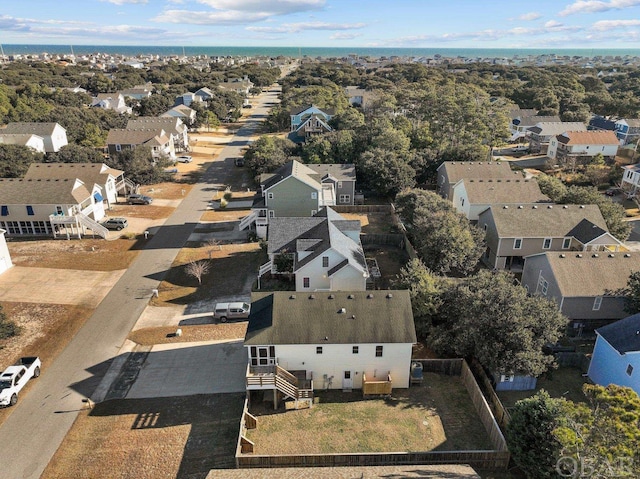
[198, 269]
[212, 245]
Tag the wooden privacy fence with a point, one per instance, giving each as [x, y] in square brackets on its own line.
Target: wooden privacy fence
[499, 411]
[362, 208]
[495, 459]
[573, 360]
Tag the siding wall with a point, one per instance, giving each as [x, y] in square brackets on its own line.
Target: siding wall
[291, 198]
[609, 367]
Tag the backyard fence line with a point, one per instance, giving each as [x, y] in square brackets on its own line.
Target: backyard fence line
[573, 360]
[496, 459]
[499, 411]
[362, 208]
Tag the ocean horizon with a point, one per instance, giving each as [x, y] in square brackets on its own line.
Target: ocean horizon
[323, 52]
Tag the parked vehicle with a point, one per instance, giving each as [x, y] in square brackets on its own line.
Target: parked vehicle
[226, 311]
[139, 200]
[239, 161]
[184, 159]
[15, 377]
[521, 148]
[115, 223]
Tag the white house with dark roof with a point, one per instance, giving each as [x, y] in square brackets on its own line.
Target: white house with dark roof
[156, 138]
[631, 179]
[472, 196]
[541, 134]
[449, 173]
[514, 231]
[5, 257]
[616, 355]
[627, 130]
[587, 286]
[298, 342]
[326, 250]
[111, 101]
[299, 190]
[54, 136]
[175, 127]
[35, 142]
[186, 114]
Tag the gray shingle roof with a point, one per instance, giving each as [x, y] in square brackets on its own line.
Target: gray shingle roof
[541, 221]
[310, 174]
[459, 170]
[549, 128]
[534, 120]
[41, 192]
[338, 171]
[88, 173]
[284, 317]
[37, 128]
[623, 335]
[586, 231]
[171, 124]
[491, 191]
[585, 274]
[151, 136]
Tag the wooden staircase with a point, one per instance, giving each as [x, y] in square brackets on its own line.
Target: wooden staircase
[275, 377]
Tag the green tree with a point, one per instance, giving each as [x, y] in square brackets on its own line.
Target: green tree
[349, 119]
[268, 153]
[138, 166]
[15, 160]
[530, 435]
[553, 187]
[75, 154]
[385, 171]
[492, 319]
[632, 294]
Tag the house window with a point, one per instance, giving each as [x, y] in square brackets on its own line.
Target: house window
[318, 349]
[30, 210]
[269, 196]
[347, 374]
[566, 243]
[59, 210]
[629, 370]
[543, 285]
[339, 184]
[118, 148]
[271, 213]
[378, 351]
[314, 195]
[597, 302]
[5, 210]
[305, 282]
[517, 243]
[325, 261]
[355, 350]
[546, 243]
[40, 227]
[484, 226]
[504, 378]
[462, 201]
[345, 198]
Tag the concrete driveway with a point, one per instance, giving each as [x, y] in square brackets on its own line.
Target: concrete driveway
[58, 286]
[191, 368]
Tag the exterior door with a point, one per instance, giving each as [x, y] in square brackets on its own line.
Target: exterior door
[265, 358]
[347, 380]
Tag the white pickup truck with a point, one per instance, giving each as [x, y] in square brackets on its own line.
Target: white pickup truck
[15, 377]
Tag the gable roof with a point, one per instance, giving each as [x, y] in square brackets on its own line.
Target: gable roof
[592, 137]
[170, 124]
[88, 173]
[481, 191]
[284, 317]
[21, 139]
[37, 128]
[542, 221]
[586, 231]
[584, 274]
[623, 335]
[519, 113]
[601, 123]
[535, 119]
[339, 171]
[633, 122]
[458, 170]
[42, 192]
[549, 128]
[137, 137]
[297, 111]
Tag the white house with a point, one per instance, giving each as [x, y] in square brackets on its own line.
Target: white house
[172, 125]
[111, 101]
[186, 114]
[5, 257]
[472, 196]
[574, 145]
[616, 356]
[35, 142]
[54, 136]
[330, 340]
[326, 251]
[156, 138]
[631, 178]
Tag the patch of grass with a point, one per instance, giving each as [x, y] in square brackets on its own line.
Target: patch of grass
[390, 260]
[232, 266]
[206, 332]
[151, 212]
[438, 415]
[563, 382]
[373, 223]
[166, 191]
[181, 437]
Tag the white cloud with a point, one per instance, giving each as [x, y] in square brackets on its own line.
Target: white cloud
[596, 6]
[604, 25]
[230, 17]
[304, 26]
[123, 2]
[529, 16]
[344, 36]
[273, 7]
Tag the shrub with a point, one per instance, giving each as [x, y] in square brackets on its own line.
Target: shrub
[228, 195]
[8, 328]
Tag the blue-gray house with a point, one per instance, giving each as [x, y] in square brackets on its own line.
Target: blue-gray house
[616, 356]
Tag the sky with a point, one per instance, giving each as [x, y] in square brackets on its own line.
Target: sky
[325, 23]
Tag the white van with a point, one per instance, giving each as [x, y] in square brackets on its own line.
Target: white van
[226, 311]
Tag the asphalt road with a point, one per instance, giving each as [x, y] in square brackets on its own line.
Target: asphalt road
[41, 419]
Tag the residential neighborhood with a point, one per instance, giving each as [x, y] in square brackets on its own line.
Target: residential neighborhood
[392, 273]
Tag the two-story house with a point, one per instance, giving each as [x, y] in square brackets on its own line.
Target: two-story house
[325, 248]
[616, 355]
[298, 190]
[53, 135]
[309, 120]
[328, 340]
[239, 85]
[631, 179]
[186, 114]
[628, 130]
[472, 196]
[172, 126]
[111, 101]
[589, 287]
[522, 120]
[35, 142]
[516, 231]
[449, 173]
[157, 139]
[572, 146]
[541, 134]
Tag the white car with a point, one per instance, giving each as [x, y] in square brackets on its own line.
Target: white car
[184, 159]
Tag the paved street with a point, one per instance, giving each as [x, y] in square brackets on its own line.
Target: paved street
[35, 429]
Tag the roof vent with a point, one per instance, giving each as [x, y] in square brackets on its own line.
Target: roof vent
[350, 296]
[581, 206]
[563, 255]
[535, 207]
[578, 255]
[389, 296]
[594, 255]
[505, 207]
[326, 338]
[370, 296]
[627, 255]
[520, 207]
[565, 207]
[342, 311]
[331, 296]
[293, 296]
[312, 296]
[549, 206]
[611, 255]
[353, 316]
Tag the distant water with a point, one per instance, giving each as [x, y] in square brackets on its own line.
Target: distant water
[325, 52]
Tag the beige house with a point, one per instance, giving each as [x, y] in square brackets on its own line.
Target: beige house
[451, 172]
[515, 231]
[171, 125]
[160, 142]
[541, 134]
